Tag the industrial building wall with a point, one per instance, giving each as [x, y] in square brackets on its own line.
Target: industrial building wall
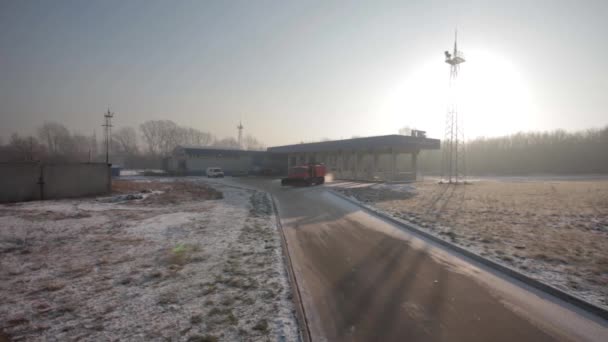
[230, 165]
[34, 181]
[170, 164]
[275, 162]
[352, 166]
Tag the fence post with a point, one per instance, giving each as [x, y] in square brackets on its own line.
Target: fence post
[41, 182]
[109, 178]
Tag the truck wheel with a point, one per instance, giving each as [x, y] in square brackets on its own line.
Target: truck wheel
[321, 180]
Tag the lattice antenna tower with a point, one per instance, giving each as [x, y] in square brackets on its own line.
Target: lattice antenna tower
[240, 128]
[108, 132]
[453, 167]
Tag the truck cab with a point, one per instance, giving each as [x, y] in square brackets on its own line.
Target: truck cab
[305, 175]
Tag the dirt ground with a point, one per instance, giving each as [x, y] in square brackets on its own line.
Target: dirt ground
[555, 231]
[156, 261]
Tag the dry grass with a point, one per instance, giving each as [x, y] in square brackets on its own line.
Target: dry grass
[556, 231]
[128, 186]
[175, 192]
[177, 265]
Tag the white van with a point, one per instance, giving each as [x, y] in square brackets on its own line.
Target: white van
[215, 172]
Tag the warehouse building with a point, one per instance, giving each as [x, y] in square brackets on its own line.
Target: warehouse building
[378, 158]
[192, 160]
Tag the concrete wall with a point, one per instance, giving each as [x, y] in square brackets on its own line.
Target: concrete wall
[75, 180]
[21, 181]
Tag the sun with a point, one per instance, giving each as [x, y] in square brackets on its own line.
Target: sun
[493, 96]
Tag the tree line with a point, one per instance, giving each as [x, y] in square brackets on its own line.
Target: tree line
[555, 152]
[131, 147]
[144, 147]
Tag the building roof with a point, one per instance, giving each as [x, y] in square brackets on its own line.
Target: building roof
[367, 143]
[213, 150]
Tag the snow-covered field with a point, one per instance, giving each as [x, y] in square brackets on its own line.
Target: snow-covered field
[181, 261]
[554, 231]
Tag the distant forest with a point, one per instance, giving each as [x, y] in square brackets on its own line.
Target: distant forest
[144, 147]
[556, 152]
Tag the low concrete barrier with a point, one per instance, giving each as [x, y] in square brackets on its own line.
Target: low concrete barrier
[297, 296]
[35, 181]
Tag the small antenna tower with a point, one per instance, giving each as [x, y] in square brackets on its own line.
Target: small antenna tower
[108, 131]
[453, 169]
[240, 128]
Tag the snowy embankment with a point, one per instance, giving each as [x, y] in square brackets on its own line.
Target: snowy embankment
[555, 232]
[184, 262]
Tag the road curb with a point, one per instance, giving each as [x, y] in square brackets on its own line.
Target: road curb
[564, 296]
[297, 297]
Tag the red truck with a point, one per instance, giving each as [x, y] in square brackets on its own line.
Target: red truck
[305, 175]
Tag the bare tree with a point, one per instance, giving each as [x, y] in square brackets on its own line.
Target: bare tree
[124, 141]
[194, 137]
[84, 148]
[171, 136]
[227, 143]
[65, 146]
[162, 136]
[55, 136]
[252, 144]
[152, 134]
[24, 149]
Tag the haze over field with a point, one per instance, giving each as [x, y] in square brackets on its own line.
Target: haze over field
[367, 68]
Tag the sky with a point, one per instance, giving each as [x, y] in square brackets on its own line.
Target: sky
[296, 71]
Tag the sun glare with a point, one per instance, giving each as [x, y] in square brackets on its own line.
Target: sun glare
[493, 97]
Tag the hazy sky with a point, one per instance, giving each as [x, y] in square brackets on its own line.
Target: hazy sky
[302, 71]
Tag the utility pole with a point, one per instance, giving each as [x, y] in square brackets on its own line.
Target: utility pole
[240, 128]
[108, 130]
[453, 169]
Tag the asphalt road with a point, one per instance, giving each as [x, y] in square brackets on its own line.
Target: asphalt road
[364, 279]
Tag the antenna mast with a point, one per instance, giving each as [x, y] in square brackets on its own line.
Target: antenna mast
[453, 169]
[108, 131]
